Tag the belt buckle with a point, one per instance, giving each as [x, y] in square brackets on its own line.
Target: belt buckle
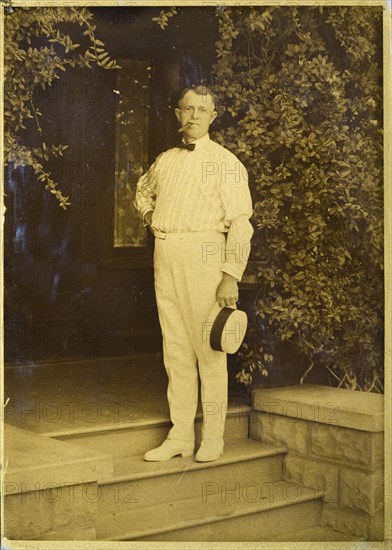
[159, 234]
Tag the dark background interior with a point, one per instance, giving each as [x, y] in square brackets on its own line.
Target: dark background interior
[69, 293]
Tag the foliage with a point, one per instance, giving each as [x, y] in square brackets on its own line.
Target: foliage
[163, 18]
[36, 52]
[301, 91]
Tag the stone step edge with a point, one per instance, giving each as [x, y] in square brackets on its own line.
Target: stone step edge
[193, 503]
[33, 460]
[313, 534]
[243, 410]
[172, 467]
[86, 360]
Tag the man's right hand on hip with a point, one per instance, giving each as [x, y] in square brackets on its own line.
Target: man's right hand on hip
[148, 218]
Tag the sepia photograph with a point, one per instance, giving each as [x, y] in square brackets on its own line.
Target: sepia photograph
[195, 294]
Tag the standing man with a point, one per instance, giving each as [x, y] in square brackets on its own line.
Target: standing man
[195, 199]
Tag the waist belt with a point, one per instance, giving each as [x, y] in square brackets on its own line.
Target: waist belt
[159, 234]
[162, 234]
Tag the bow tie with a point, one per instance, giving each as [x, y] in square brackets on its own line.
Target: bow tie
[189, 146]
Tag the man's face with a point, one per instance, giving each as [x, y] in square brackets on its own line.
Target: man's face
[195, 112]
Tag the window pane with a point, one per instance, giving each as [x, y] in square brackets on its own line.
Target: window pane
[132, 89]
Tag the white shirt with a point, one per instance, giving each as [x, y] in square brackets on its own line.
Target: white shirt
[201, 190]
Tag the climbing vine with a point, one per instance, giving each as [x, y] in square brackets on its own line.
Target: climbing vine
[37, 51]
[301, 90]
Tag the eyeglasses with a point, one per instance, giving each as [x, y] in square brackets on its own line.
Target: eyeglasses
[190, 110]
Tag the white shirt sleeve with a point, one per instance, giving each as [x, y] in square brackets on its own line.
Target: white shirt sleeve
[237, 247]
[146, 188]
[237, 203]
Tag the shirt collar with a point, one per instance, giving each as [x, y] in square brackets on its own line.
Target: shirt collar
[201, 142]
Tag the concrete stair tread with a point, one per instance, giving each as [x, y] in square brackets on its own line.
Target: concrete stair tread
[236, 408]
[192, 512]
[235, 450]
[134, 439]
[318, 533]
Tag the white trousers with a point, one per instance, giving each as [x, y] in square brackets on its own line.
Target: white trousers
[187, 271]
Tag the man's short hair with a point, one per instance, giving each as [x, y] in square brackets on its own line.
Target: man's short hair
[200, 90]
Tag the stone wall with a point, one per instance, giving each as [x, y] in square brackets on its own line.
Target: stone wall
[59, 513]
[50, 487]
[335, 442]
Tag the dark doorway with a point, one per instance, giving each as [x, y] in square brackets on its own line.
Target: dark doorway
[79, 283]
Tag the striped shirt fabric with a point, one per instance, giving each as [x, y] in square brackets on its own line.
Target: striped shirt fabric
[201, 190]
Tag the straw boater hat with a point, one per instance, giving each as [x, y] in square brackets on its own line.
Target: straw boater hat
[226, 327]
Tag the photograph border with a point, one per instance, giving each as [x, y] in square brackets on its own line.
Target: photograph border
[75, 545]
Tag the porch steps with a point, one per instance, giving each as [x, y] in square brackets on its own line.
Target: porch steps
[241, 497]
[244, 465]
[214, 520]
[119, 496]
[130, 439]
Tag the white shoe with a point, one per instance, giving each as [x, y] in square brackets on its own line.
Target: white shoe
[168, 449]
[209, 450]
